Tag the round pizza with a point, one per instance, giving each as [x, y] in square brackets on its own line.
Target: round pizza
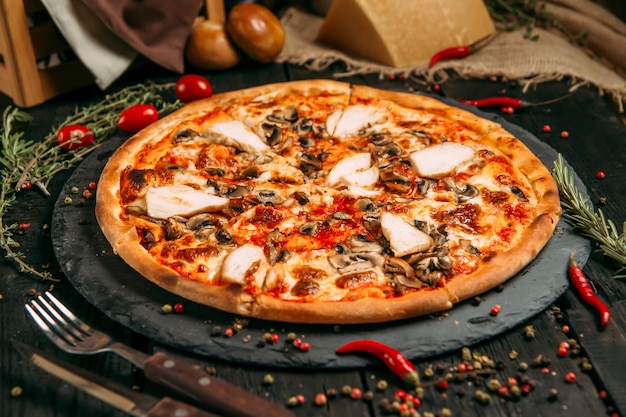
[318, 201]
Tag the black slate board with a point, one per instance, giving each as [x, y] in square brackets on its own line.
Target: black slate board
[123, 295]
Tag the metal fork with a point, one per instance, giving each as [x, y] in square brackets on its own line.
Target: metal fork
[73, 335]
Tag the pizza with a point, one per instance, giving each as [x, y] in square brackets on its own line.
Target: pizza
[319, 201]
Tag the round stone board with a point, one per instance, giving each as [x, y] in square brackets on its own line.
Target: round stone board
[122, 294]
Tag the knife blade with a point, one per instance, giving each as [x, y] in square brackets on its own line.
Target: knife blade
[123, 398]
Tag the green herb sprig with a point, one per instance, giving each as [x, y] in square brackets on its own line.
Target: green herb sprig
[26, 163]
[589, 223]
[512, 15]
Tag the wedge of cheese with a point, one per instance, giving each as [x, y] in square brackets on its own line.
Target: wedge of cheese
[401, 33]
[180, 200]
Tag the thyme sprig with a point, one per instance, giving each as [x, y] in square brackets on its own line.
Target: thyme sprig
[527, 14]
[25, 163]
[589, 223]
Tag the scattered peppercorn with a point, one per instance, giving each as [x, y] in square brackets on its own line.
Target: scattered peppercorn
[16, 391]
[229, 332]
[167, 308]
[565, 134]
[305, 346]
[178, 308]
[268, 379]
[570, 377]
[600, 175]
[553, 393]
[320, 399]
[67, 201]
[346, 390]
[368, 396]
[93, 185]
[547, 128]
[529, 332]
[356, 393]
[382, 385]
[331, 392]
[495, 310]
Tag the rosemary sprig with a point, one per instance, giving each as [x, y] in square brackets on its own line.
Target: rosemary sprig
[25, 163]
[588, 223]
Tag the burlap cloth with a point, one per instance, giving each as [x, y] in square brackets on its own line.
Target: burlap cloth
[600, 62]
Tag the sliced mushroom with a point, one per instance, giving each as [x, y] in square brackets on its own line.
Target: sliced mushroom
[268, 197]
[399, 266]
[304, 126]
[309, 162]
[366, 204]
[390, 150]
[251, 171]
[135, 210]
[215, 171]
[273, 242]
[467, 246]
[301, 198]
[185, 134]
[408, 282]
[464, 193]
[393, 180]
[358, 245]
[380, 138]
[306, 142]
[311, 228]
[347, 263]
[341, 215]
[519, 194]
[342, 248]
[201, 221]
[263, 159]
[223, 236]
[425, 185]
[175, 228]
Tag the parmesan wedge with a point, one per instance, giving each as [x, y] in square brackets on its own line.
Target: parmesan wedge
[403, 238]
[440, 160]
[180, 200]
[403, 33]
[352, 119]
[244, 138]
[239, 263]
[354, 167]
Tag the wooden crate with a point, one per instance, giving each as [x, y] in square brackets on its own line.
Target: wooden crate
[36, 62]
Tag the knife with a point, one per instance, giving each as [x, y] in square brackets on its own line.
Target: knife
[125, 399]
[198, 386]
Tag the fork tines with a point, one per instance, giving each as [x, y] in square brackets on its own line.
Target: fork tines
[56, 320]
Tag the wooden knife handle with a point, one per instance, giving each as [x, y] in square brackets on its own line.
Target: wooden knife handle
[215, 393]
[168, 407]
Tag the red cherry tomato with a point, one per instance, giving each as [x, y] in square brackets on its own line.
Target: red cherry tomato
[135, 118]
[72, 137]
[193, 87]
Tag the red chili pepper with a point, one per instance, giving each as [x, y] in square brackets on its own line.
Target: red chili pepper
[451, 53]
[580, 282]
[395, 361]
[503, 101]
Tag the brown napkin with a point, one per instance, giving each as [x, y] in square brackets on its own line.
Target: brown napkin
[157, 29]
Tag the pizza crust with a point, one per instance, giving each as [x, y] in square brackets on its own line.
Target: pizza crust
[366, 304]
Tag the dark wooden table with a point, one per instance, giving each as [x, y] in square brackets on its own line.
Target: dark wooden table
[596, 142]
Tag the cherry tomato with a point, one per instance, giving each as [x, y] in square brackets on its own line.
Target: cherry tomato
[193, 87]
[135, 118]
[72, 137]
